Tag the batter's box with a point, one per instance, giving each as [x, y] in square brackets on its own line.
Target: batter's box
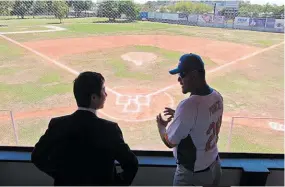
[143, 100]
[123, 99]
[132, 107]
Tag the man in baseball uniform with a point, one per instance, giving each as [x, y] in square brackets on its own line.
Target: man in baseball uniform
[194, 132]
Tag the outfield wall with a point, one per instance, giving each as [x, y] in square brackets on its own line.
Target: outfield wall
[209, 20]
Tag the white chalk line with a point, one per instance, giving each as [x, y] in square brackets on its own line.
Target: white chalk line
[135, 100]
[51, 29]
[223, 66]
[139, 120]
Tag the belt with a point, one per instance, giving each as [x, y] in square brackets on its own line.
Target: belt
[206, 169]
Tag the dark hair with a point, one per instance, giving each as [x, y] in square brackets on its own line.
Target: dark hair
[86, 84]
[202, 73]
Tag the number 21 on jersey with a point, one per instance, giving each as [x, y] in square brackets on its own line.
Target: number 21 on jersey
[214, 130]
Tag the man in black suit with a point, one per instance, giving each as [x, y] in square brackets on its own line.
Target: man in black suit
[81, 148]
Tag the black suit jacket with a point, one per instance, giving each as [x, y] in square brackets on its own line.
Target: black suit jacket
[81, 149]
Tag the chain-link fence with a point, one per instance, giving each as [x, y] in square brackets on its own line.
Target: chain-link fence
[62, 9]
[130, 9]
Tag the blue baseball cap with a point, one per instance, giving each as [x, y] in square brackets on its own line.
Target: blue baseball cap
[189, 62]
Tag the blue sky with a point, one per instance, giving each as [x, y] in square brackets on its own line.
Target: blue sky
[278, 2]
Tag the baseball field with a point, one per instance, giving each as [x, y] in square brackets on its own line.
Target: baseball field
[40, 59]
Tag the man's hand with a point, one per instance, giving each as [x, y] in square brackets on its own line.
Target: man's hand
[161, 122]
[169, 112]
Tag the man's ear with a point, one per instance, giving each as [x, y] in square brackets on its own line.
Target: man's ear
[94, 97]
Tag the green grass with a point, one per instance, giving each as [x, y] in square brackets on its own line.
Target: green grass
[244, 140]
[265, 42]
[7, 137]
[259, 39]
[51, 77]
[26, 90]
[120, 70]
[29, 21]
[250, 88]
[110, 63]
[8, 51]
[30, 130]
[22, 28]
[33, 92]
[115, 28]
[8, 70]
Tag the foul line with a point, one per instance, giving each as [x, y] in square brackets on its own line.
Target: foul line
[70, 70]
[223, 66]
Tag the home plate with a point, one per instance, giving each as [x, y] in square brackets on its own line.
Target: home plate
[135, 104]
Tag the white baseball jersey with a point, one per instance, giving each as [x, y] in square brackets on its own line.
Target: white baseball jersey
[195, 128]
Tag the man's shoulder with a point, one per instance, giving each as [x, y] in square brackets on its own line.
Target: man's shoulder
[188, 103]
[60, 119]
[217, 93]
[107, 122]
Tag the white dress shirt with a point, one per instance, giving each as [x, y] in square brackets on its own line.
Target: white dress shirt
[88, 109]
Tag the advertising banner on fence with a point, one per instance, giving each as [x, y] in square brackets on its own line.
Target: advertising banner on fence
[279, 24]
[270, 22]
[257, 22]
[192, 18]
[151, 15]
[182, 16]
[205, 18]
[157, 15]
[241, 21]
[169, 16]
[219, 19]
[144, 15]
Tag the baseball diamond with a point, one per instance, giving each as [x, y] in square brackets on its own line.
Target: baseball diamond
[41, 61]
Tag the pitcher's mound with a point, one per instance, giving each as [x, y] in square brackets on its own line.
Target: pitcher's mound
[139, 58]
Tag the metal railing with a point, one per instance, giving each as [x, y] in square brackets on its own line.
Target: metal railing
[13, 124]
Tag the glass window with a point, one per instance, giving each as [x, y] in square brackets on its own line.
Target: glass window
[44, 45]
